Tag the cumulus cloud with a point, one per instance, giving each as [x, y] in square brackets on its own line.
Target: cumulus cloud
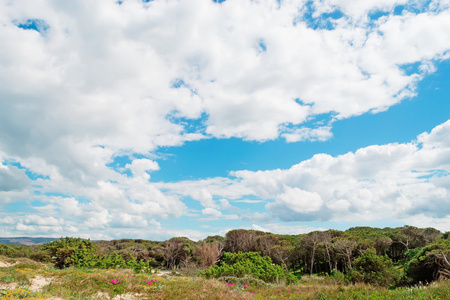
[12, 179]
[204, 196]
[139, 167]
[82, 83]
[392, 181]
[295, 204]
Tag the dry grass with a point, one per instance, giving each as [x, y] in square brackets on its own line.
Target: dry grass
[30, 280]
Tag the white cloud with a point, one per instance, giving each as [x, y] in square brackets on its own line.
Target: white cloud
[304, 134]
[393, 181]
[22, 227]
[211, 212]
[203, 196]
[38, 220]
[286, 229]
[12, 179]
[439, 137]
[225, 204]
[139, 167]
[7, 220]
[99, 80]
[256, 217]
[123, 220]
[297, 201]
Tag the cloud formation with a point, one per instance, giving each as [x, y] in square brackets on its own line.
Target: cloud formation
[393, 181]
[83, 83]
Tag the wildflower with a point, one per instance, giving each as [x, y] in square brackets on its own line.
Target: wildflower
[114, 281]
[154, 280]
[230, 284]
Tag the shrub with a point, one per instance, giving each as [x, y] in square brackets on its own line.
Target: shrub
[426, 264]
[250, 264]
[71, 252]
[374, 269]
[338, 276]
[6, 250]
[41, 255]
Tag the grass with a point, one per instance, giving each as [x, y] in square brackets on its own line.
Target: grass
[16, 282]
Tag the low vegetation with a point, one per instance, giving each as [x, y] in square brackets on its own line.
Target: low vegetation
[360, 263]
[250, 265]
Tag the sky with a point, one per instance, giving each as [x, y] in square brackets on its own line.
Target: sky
[165, 118]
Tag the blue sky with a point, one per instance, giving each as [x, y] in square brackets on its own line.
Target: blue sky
[154, 119]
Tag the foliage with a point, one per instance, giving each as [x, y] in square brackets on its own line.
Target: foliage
[338, 276]
[428, 263]
[6, 250]
[82, 254]
[214, 239]
[21, 293]
[319, 252]
[71, 251]
[75, 283]
[15, 251]
[374, 269]
[249, 264]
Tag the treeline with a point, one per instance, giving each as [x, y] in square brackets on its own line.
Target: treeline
[388, 256]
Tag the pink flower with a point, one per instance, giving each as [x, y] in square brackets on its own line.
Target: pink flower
[230, 284]
[134, 275]
[106, 281]
[154, 280]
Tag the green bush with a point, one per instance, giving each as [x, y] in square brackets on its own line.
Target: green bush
[71, 252]
[250, 264]
[374, 269]
[41, 255]
[338, 276]
[15, 251]
[80, 253]
[6, 250]
[421, 265]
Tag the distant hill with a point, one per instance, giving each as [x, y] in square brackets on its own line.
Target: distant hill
[25, 240]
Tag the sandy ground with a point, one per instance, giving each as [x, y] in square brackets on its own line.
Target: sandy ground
[128, 296]
[4, 264]
[39, 282]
